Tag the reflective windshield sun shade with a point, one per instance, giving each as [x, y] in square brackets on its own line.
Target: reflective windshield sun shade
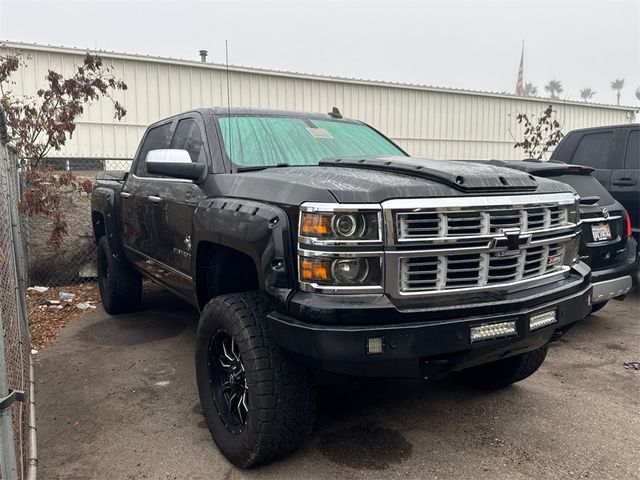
[269, 140]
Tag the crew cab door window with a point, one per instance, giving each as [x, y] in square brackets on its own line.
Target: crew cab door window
[632, 156]
[625, 182]
[188, 136]
[593, 150]
[157, 138]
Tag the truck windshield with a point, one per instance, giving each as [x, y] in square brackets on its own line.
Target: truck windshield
[255, 141]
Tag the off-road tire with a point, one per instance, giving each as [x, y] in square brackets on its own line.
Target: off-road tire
[598, 306]
[120, 285]
[502, 373]
[281, 392]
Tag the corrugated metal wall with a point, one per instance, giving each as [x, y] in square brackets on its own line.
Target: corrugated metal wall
[428, 122]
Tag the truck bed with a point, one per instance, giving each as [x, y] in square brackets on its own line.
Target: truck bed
[111, 179]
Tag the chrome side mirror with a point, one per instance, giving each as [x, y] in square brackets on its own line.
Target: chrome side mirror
[175, 163]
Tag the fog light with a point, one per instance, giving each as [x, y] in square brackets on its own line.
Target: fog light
[543, 319]
[589, 300]
[489, 331]
[375, 345]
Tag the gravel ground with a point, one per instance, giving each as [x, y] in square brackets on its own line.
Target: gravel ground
[117, 399]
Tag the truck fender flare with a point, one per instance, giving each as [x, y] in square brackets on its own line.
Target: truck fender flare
[258, 230]
[103, 202]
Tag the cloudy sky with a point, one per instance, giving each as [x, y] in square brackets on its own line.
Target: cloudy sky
[473, 44]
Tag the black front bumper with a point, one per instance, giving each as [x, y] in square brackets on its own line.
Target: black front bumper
[421, 348]
[617, 279]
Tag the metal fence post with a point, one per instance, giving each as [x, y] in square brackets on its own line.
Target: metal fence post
[18, 245]
[8, 466]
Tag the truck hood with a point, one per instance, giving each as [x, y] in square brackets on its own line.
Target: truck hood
[377, 180]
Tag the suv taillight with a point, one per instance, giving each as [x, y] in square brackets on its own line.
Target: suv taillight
[628, 219]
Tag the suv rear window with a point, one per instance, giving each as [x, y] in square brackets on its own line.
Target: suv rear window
[593, 150]
[268, 140]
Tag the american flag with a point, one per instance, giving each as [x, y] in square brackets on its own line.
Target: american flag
[520, 73]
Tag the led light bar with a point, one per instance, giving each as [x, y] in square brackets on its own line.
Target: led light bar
[543, 319]
[490, 331]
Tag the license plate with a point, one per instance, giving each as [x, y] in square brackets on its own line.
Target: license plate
[601, 232]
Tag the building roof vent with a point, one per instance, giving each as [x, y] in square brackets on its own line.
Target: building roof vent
[203, 56]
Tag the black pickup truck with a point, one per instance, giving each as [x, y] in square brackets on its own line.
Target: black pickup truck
[310, 242]
[614, 153]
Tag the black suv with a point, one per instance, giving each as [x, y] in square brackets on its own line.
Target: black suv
[607, 245]
[614, 153]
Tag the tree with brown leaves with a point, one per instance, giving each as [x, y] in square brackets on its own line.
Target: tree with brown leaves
[44, 122]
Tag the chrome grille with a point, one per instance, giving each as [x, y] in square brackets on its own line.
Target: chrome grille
[444, 272]
[423, 225]
[469, 243]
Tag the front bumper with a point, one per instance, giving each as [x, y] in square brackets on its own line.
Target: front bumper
[616, 280]
[418, 348]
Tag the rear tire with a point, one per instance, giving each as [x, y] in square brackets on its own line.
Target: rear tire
[120, 285]
[599, 306]
[502, 373]
[258, 403]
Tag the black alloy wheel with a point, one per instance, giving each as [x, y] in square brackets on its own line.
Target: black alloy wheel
[228, 381]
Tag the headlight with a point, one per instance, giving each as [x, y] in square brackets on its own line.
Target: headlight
[356, 272]
[332, 224]
[340, 248]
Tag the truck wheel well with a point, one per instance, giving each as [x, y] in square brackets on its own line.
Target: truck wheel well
[97, 219]
[221, 270]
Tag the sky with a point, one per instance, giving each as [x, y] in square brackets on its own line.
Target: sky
[472, 45]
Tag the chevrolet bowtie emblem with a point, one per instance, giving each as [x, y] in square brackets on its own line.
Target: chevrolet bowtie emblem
[511, 243]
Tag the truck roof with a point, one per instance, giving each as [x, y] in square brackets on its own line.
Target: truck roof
[221, 111]
[606, 127]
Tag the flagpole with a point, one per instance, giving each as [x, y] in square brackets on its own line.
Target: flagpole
[520, 79]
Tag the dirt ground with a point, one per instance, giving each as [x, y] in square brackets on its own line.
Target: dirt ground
[116, 399]
[48, 315]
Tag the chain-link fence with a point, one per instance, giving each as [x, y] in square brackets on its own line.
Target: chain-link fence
[17, 410]
[74, 260]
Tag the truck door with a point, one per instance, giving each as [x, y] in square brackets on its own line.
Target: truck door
[625, 179]
[596, 150]
[173, 215]
[138, 196]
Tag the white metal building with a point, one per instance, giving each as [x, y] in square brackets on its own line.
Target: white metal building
[427, 121]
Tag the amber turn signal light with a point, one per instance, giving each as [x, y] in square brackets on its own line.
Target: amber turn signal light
[315, 270]
[315, 225]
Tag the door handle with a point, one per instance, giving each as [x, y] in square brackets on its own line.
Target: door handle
[624, 182]
[125, 194]
[153, 199]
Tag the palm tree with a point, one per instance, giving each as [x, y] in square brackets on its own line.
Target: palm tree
[618, 84]
[586, 93]
[529, 90]
[554, 87]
